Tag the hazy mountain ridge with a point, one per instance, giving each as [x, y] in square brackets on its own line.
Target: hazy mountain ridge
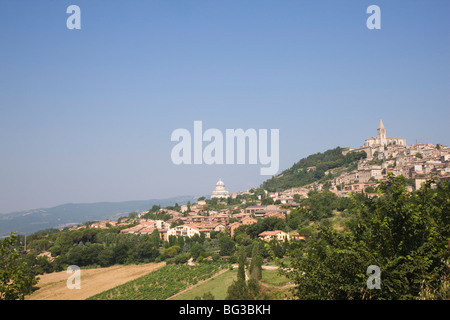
[29, 221]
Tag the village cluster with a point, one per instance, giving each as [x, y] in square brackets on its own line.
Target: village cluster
[196, 221]
[417, 162]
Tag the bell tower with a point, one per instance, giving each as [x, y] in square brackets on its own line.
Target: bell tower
[381, 133]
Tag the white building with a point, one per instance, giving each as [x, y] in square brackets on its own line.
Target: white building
[220, 191]
[183, 230]
[382, 140]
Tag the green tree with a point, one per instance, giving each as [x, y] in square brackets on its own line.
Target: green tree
[132, 215]
[226, 245]
[405, 234]
[155, 238]
[173, 251]
[16, 279]
[242, 289]
[242, 256]
[106, 257]
[196, 250]
[238, 290]
[256, 264]
[206, 296]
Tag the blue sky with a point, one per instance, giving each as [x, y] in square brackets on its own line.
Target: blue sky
[86, 115]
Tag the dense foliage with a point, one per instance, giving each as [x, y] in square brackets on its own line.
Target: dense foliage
[302, 173]
[16, 279]
[404, 234]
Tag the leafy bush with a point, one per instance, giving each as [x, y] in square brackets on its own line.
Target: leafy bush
[405, 234]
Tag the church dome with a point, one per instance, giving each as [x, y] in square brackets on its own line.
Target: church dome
[220, 191]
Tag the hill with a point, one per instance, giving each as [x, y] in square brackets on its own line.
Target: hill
[75, 213]
[313, 168]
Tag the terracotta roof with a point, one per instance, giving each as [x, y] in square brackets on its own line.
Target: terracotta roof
[270, 233]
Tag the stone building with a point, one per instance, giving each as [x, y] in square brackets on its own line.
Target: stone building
[220, 191]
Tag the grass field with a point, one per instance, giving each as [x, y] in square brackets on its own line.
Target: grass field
[217, 286]
[273, 278]
[275, 285]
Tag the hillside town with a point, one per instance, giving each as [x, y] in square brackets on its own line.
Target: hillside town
[260, 227]
[385, 155]
[195, 219]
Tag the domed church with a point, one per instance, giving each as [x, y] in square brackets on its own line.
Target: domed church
[220, 191]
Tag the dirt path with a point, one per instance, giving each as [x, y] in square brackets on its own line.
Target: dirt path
[53, 286]
[270, 267]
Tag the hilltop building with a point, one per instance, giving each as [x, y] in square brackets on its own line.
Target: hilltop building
[393, 156]
[382, 140]
[220, 191]
[376, 145]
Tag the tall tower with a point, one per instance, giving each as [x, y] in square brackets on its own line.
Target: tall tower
[381, 133]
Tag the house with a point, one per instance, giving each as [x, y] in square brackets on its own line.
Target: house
[269, 235]
[105, 224]
[210, 226]
[256, 210]
[275, 214]
[145, 227]
[418, 182]
[196, 208]
[183, 231]
[232, 227]
[295, 236]
[173, 213]
[197, 219]
[47, 255]
[248, 220]
[146, 230]
[219, 227]
[161, 224]
[133, 230]
[163, 234]
[240, 216]
[221, 218]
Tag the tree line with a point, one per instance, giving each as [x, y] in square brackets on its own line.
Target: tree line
[312, 169]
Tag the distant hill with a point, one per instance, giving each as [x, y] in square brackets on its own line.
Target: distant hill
[313, 169]
[72, 214]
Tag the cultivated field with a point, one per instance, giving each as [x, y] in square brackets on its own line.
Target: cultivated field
[276, 286]
[217, 286]
[161, 284]
[53, 286]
